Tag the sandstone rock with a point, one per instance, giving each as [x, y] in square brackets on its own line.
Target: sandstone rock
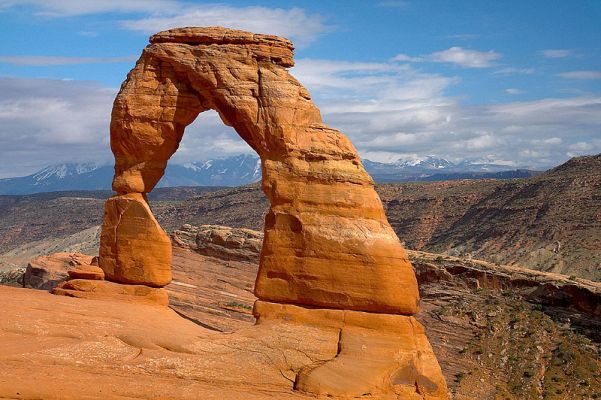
[86, 339]
[105, 290]
[327, 240]
[378, 353]
[87, 272]
[45, 272]
[133, 247]
[220, 241]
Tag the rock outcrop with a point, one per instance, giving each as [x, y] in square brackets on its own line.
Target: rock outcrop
[133, 247]
[78, 275]
[105, 290]
[12, 276]
[46, 272]
[223, 242]
[328, 248]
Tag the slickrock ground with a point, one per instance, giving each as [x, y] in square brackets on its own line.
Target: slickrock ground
[491, 341]
[56, 347]
[499, 332]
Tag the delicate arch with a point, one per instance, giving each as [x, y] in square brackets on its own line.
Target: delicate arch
[327, 240]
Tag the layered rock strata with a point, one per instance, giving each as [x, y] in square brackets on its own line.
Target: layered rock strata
[327, 243]
[134, 249]
[223, 242]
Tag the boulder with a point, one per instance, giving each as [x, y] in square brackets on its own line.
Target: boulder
[46, 272]
[238, 244]
[133, 247]
[91, 272]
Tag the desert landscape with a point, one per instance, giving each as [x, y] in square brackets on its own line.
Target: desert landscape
[442, 249]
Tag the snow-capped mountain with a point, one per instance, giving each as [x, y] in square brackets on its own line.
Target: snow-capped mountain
[69, 176]
[244, 169]
[63, 171]
[427, 163]
[232, 171]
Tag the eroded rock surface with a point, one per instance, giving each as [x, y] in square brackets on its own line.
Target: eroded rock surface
[227, 243]
[134, 249]
[46, 272]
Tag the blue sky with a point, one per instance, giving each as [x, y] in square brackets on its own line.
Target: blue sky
[511, 82]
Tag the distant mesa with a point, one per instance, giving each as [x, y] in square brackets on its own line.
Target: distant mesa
[329, 259]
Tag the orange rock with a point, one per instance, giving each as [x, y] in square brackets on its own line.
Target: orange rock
[87, 272]
[327, 240]
[104, 290]
[133, 247]
[378, 353]
[45, 272]
[220, 241]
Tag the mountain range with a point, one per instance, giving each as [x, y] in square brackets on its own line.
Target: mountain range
[244, 169]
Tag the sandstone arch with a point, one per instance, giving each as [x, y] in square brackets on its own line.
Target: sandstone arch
[327, 240]
[328, 244]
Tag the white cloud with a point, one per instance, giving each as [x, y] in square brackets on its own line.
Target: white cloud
[405, 57]
[456, 55]
[68, 8]
[293, 23]
[550, 141]
[463, 36]
[388, 110]
[556, 53]
[208, 137]
[156, 15]
[514, 91]
[581, 75]
[57, 60]
[465, 57]
[514, 71]
[391, 111]
[45, 121]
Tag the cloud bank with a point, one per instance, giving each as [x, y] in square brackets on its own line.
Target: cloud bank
[456, 55]
[150, 16]
[389, 111]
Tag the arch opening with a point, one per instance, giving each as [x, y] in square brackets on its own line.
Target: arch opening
[211, 153]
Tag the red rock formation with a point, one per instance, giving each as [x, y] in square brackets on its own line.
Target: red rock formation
[45, 272]
[326, 232]
[133, 247]
[105, 290]
[327, 241]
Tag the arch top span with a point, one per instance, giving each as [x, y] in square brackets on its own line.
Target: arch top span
[264, 47]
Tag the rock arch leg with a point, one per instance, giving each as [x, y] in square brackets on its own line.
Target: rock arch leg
[148, 120]
[329, 257]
